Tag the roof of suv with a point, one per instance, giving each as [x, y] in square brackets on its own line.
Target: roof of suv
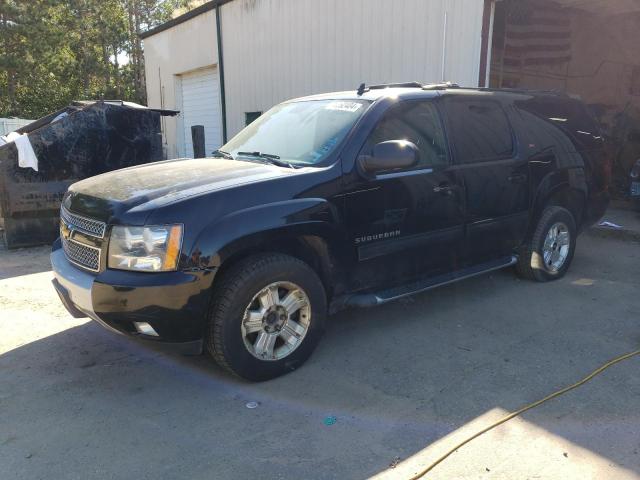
[414, 89]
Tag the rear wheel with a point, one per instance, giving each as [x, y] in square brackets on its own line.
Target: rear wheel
[547, 255]
[267, 316]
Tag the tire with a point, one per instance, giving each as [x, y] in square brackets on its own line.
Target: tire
[532, 263]
[239, 318]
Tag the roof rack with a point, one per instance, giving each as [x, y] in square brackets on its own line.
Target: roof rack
[559, 93]
[395, 85]
[440, 86]
[432, 86]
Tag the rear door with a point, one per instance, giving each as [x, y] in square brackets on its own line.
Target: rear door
[495, 178]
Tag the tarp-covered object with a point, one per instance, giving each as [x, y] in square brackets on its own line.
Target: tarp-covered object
[93, 138]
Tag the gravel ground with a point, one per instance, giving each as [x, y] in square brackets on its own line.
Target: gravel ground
[404, 382]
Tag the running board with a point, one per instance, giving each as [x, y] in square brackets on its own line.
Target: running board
[384, 296]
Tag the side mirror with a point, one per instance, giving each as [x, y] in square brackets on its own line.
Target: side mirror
[389, 156]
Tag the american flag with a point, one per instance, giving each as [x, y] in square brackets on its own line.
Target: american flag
[536, 34]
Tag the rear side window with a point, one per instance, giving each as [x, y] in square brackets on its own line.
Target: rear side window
[417, 122]
[479, 130]
[568, 116]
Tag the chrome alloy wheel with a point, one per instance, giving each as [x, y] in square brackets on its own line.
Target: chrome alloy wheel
[276, 321]
[556, 247]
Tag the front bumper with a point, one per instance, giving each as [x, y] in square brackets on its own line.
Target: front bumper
[175, 304]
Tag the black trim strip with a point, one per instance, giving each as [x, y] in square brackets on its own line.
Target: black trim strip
[507, 222]
[392, 245]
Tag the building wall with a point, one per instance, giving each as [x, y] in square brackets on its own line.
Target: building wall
[598, 68]
[184, 48]
[601, 68]
[279, 49]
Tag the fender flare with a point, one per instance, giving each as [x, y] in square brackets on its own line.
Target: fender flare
[313, 221]
[555, 183]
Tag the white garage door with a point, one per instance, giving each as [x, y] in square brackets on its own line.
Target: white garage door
[201, 106]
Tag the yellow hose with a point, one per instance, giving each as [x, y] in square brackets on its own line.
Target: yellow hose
[524, 409]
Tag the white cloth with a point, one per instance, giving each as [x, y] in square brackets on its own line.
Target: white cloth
[26, 156]
[60, 117]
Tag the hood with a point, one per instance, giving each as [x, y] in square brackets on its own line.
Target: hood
[145, 187]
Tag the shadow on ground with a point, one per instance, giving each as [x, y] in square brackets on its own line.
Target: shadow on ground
[85, 403]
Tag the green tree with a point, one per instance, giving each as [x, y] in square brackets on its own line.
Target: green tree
[55, 51]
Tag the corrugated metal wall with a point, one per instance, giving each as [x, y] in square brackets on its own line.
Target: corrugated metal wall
[169, 54]
[10, 124]
[279, 49]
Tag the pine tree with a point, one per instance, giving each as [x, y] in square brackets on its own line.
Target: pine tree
[55, 51]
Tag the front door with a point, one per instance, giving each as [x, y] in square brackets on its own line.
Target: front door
[496, 180]
[405, 224]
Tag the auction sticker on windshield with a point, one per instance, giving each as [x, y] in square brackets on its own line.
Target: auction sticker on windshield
[344, 106]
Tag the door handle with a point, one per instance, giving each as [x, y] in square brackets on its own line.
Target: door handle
[517, 178]
[443, 188]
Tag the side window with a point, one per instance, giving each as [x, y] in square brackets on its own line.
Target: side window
[417, 122]
[479, 130]
[568, 116]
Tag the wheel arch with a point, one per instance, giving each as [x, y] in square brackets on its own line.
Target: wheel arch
[570, 198]
[566, 189]
[312, 248]
[307, 229]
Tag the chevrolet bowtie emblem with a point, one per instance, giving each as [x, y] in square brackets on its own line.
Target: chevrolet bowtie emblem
[66, 230]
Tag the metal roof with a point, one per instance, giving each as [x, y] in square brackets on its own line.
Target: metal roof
[599, 7]
[205, 7]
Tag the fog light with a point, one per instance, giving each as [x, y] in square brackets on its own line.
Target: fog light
[145, 329]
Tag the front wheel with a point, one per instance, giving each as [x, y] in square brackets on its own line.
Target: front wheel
[267, 316]
[548, 253]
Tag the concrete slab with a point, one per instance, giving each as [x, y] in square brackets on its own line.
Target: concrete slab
[404, 382]
[623, 224]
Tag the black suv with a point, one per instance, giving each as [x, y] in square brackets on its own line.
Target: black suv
[325, 202]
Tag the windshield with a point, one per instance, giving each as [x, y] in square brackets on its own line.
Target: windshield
[303, 132]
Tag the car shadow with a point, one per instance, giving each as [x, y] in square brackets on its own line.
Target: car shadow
[384, 384]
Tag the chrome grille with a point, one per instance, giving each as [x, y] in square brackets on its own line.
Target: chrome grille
[75, 231]
[85, 225]
[81, 254]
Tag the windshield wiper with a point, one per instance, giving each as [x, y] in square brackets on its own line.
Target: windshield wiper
[274, 159]
[223, 154]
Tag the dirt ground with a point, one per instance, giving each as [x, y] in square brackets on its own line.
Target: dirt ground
[404, 382]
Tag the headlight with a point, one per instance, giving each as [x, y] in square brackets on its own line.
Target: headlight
[145, 249]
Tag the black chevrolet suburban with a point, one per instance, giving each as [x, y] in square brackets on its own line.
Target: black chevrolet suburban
[325, 202]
